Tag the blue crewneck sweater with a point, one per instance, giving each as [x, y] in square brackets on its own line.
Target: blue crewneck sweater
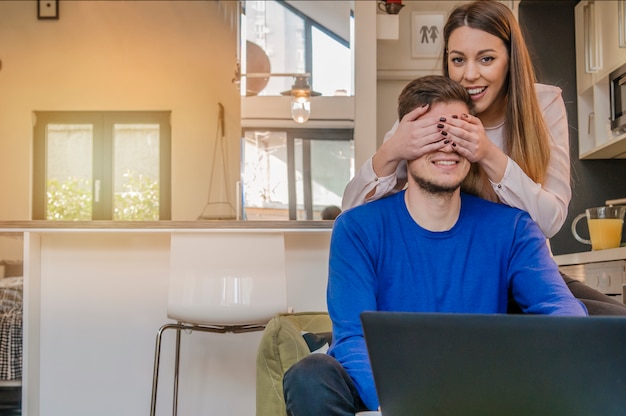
[381, 259]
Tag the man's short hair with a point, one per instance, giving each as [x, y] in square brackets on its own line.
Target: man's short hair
[431, 89]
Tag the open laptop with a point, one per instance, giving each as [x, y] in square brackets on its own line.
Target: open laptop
[428, 364]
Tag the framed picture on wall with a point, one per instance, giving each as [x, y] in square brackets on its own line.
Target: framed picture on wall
[47, 9]
[427, 34]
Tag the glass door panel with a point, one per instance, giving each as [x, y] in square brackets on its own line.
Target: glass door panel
[264, 175]
[69, 172]
[293, 175]
[136, 172]
[331, 166]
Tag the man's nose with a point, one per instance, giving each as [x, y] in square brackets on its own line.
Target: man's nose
[448, 147]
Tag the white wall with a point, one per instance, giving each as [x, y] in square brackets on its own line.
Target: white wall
[395, 65]
[120, 55]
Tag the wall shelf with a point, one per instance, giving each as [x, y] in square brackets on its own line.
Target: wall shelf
[613, 149]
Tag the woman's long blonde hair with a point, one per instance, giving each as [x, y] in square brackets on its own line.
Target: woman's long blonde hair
[526, 136]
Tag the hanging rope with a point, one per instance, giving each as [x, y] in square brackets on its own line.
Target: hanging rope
[222, 210]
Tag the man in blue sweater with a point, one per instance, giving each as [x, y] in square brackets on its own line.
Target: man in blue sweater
[430, 248]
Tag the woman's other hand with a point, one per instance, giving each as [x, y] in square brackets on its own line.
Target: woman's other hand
[470, 141]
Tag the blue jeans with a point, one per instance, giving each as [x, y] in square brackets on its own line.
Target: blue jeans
[318, 385]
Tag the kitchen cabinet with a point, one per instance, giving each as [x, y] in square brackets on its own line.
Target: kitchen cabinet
[603, 270]
[598, 52]
[587, 45]
[609, 20]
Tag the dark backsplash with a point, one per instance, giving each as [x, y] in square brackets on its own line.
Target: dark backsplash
[593, 181]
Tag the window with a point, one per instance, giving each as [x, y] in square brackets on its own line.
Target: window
[295, 43]
[102, 166]
[293, 174]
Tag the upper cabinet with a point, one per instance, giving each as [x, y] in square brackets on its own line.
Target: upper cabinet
[588, 46]
[610, 20]
[600, 49]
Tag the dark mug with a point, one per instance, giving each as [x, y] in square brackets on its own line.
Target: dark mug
[390, 7]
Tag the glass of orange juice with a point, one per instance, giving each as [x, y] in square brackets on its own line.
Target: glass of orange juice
[605, 227]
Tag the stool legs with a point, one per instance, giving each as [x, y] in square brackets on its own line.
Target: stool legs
[220, 329]
[176, 369]
[157, 359]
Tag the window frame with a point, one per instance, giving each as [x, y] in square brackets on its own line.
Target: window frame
[102, 122]
[307, 135]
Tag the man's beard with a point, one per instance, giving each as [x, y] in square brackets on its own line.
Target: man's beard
[433, 188]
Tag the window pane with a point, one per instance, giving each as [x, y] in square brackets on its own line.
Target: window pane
[323, 179]
[281, 35]
[265, 179]
[332, 65]
[286, 38]
[318, 171]
[332, 162]
[136, 172]
[69, 172]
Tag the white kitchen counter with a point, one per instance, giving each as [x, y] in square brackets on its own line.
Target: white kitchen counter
[603, 270]
[95, 294]
[591, 256]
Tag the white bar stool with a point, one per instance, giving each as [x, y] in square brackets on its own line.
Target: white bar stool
[221, 282]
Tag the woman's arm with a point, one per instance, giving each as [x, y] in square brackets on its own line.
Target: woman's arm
[385, 172]
[546, 203]
[368, 186]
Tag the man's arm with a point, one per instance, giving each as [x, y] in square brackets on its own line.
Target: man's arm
[534, 277]
[352, 288]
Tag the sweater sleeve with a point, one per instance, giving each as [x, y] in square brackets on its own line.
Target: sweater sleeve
[352, 288]
[535, 282]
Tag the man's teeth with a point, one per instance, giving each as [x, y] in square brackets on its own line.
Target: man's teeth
[474, 91]
[445, 162]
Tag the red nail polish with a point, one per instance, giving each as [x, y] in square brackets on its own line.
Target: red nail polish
[442, 119]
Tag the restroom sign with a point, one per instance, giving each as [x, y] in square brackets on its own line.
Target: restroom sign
[427, 34]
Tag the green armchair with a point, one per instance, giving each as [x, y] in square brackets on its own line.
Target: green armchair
[282, 345]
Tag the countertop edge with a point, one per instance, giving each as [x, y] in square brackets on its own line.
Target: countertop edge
[59, 226]
[591, 256]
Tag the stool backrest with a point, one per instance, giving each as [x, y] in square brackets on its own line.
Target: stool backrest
[227, 278]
